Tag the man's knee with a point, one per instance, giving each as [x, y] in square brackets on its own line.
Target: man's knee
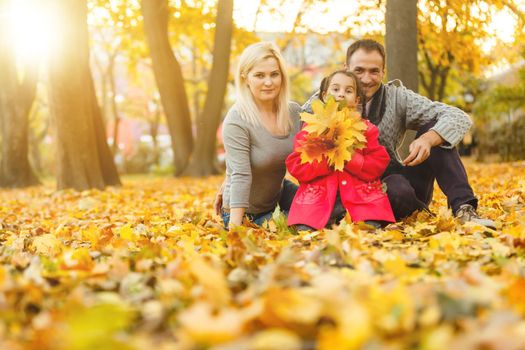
[399, 188]
[402, 196]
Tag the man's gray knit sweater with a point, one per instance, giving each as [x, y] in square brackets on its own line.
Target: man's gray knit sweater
[406, 109]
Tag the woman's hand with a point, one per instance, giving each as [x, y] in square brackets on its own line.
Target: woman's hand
[236, 216]
[217, 203]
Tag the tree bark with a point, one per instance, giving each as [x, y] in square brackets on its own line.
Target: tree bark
[401, 41]
[16, 99]
[170, 82]
[114, 107]
[154, 132]
[401, 48]
[203, 159]
[106, 160]
[82, 159]
[35, 140]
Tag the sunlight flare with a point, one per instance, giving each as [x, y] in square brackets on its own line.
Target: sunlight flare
[32, 27]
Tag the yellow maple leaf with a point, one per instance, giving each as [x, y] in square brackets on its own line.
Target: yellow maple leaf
[207, 325]
[47, 245]
[275, 338]
[353, 327]
[291, 308]
[515, 293]
[319, 121]
[334, 132]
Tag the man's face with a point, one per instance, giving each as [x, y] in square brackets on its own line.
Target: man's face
[368, 67]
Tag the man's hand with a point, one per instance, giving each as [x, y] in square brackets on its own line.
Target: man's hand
[420, 148]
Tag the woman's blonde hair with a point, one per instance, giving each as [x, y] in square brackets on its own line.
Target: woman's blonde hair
[245, 103]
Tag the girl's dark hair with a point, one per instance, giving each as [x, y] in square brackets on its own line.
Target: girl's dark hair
[325, 83]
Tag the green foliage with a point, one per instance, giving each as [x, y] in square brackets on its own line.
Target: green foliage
[500, 113]
[506, 140]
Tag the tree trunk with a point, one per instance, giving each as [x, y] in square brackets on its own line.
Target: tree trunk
[35, 140]
[114, 107]
[401, 41]
[16, 100]
[154, 131]
[203, 159]
[443, 76]
[107, 162]
[82, 160]
[168, 75]
[401, 48]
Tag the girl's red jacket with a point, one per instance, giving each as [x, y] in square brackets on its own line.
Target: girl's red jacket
[358, 183]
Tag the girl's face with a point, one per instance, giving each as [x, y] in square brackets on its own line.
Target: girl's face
[264, 80]
[342, 87]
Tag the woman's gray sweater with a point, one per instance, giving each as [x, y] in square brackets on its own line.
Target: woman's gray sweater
[255, 162]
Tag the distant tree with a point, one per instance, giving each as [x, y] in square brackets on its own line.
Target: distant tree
[203, 158]
[450, 37]
[83, 156]
[118, 33]
[170, 81]
[16, 99]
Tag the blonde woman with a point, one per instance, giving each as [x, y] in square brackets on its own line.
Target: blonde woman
[258, 134]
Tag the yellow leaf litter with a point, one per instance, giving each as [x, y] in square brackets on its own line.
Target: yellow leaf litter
[148, 266]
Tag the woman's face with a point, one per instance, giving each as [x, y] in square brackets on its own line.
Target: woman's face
[264, 80]
[342, 87]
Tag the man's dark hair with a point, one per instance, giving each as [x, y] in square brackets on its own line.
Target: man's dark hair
[368, 45]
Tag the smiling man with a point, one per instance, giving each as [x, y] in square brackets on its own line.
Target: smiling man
[432, 155]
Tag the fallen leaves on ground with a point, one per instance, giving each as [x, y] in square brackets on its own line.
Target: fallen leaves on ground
[149, 266]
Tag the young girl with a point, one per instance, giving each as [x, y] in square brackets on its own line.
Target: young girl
[325, 195]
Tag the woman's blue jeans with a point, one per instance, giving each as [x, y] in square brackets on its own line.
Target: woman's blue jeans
[287, 194]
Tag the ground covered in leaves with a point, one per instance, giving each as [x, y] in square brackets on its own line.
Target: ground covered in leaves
[149, 266]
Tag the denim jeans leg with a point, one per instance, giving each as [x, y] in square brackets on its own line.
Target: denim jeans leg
[225, 218]
[259, 220]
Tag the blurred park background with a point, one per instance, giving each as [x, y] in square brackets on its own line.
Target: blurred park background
[94, 89]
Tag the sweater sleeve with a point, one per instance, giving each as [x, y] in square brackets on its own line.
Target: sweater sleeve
[451, 123]
[236, 140]
[305, 172]
[370, 163]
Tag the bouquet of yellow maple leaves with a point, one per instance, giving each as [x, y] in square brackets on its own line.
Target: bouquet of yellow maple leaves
[335, 131]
